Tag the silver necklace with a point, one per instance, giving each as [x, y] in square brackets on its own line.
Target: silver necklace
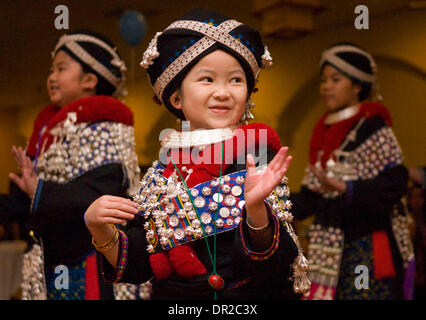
[197, 138]
[341, 115]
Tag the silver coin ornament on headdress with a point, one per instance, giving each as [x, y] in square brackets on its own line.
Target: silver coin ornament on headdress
[266, 59]
[151, 52]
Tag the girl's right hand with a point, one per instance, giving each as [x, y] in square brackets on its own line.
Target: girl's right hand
[109, 210]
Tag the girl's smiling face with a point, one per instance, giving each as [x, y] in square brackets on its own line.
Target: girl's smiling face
[214, 92]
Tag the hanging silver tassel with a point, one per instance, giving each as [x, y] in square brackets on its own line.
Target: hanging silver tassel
[301, 281]
[278, 199]
[300, 265]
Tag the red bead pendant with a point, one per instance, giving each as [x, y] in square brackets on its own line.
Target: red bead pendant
[216, 282]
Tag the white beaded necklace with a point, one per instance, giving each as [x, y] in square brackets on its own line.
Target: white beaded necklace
[344, 114]
[197, 138]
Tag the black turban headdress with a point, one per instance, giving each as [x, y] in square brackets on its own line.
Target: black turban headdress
[97, 55]
[173, 52]
[355, 63]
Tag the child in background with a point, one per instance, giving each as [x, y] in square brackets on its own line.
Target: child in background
[353, 186]
[204, 224]
[82, 147]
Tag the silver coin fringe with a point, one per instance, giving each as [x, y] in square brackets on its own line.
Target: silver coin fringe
[128, 291]
[401, 232]
[33, 283]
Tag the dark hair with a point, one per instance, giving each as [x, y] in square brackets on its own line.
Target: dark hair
[103, 86]
[365, 89]
[360, 62]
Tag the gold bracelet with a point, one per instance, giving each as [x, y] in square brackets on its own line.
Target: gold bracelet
[108, 244]
[261, 229]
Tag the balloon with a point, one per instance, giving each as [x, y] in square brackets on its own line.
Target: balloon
[132, 27]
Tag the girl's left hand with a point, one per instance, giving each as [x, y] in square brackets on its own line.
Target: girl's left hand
[257, 185]
[328, 184]
[28, 181]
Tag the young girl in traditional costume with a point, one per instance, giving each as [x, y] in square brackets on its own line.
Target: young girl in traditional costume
[82, 147]
[358, 244]
[204, 224]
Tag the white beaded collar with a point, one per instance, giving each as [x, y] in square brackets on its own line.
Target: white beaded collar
[197, 138]
[341, 115]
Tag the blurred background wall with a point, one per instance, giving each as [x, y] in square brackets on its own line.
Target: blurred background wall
[288, 97]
